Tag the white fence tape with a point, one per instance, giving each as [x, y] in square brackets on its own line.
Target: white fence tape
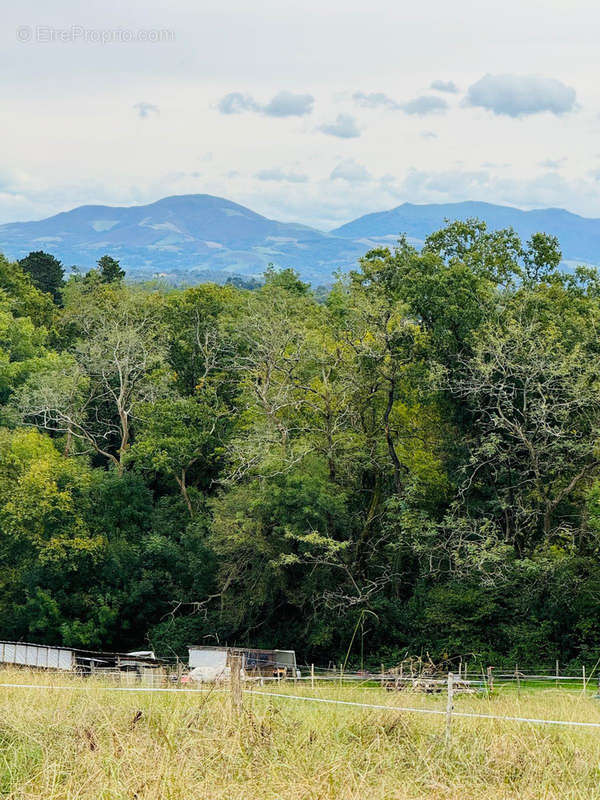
[472, 715]
[204, 692]
[327, 701]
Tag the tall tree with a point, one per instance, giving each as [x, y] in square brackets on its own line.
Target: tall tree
[46, 272]
[110, 270]
[23, 298]
[533, 386]
[117, 361]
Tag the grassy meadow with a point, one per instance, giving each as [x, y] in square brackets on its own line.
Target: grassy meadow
[89, 742]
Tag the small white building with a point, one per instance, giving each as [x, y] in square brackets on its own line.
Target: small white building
[211, 663]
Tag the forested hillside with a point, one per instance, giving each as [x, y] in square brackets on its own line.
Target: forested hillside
[409, 464]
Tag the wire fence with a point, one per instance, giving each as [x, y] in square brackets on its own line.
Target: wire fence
[417, 710]
[174, 673]
[256, 692]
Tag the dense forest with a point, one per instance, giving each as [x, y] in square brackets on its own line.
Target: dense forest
[407, 463]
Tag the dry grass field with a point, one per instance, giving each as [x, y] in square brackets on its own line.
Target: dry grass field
[89, 742]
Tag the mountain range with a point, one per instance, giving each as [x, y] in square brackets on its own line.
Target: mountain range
[201, 237]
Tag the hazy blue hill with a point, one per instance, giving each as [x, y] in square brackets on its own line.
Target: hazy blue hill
[186, 233]
[202, 237]
[579, 236]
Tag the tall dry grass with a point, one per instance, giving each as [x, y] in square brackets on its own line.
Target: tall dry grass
[86, 743]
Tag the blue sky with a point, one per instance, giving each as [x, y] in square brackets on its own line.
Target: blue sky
[315, 112]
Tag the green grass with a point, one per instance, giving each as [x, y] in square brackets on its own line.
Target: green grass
[87, 743]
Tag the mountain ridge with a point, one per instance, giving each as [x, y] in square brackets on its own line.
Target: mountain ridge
[203, 236]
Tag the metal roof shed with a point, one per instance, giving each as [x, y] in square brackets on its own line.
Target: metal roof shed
[27, 654]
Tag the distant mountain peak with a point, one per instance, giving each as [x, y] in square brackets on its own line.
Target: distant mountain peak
[197, 237]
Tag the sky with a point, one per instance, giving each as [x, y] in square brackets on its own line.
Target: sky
[315, 111]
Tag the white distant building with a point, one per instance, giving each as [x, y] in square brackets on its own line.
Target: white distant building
[213, 663]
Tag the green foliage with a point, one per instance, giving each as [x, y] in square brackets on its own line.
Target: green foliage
[46, 272]
[415, 456]
[22, 296]
[46, 545]
[22, 350]
[110, 270]
[181, 438]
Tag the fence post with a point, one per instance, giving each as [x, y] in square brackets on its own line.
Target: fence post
[518, 677]
[557, 671]
[490, 679]
[382, 681]
[341, 673]
[583, 675]
[236, 684]
[449, 707]
[312, 676]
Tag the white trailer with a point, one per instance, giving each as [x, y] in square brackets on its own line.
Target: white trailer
[37, 655]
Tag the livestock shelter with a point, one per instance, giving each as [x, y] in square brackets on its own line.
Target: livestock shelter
[73, 659]
[255, 662]
[26, 654]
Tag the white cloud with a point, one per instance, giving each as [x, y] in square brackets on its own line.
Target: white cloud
[374, 100]
[344, 127]
[420, 106]
[283, 104]
[548, 189]
[425, 104]
[237, 103]
[288, 104]
[433, 186]
[351, 171]
[521, 95]
[444, 86]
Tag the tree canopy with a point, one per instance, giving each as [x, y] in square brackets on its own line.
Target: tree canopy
[110, 269]
[419, 446]
[46, 272]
